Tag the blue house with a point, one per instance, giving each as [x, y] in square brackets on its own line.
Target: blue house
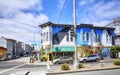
[56, 39]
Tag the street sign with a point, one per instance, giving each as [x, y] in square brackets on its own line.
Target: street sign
[34, 44]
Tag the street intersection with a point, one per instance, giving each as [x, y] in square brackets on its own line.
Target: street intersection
[23, 65]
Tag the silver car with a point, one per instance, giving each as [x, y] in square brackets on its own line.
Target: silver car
[89, 58]
[63, 60]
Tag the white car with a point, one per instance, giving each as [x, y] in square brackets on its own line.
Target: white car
[63, 60]
[89, 58]
[2, 59]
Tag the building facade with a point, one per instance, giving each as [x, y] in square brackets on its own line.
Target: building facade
[28, 49]
[116, 24]
[56, 39]
[3, 52]
[3, 47]
[3, 42]
[11, 48]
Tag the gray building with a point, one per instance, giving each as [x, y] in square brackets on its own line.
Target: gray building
[23, 49]
[28, 49]
[19, 48]
[116, 24]
[3, 42]
[15, 48]
[11, 48]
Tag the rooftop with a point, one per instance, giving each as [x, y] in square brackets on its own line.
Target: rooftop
[70, 25]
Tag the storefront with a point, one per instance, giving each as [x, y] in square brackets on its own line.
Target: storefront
[59, 51]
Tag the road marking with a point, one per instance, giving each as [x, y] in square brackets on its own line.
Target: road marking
[11, 68]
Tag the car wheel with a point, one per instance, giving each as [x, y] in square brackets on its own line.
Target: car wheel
[70, 62]
[97, 60]
[84, 61]
[57, 62]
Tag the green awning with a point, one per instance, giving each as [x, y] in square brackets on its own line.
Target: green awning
[62, 49]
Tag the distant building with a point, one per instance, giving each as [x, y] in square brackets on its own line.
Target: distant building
[3, 52]
[28, 49]
[19, 48]
[116, 24]
[3, 47]
[23, 48]
[3, 42]
[11, 47]
[56, 39]
[14, 48]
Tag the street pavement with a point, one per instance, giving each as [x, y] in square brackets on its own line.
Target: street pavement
[101, 72]
[23, 65]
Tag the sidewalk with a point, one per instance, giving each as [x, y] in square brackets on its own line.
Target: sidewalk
[22, 59]
[106, 60]
[40, 63]
[54, 71]
[85, 69]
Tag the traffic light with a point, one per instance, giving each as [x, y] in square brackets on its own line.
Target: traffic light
[72, 32]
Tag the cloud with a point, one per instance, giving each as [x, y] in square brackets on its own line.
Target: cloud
[14, 6]
[101, 13]
[14, 14]
[106, 10]
[84, 2]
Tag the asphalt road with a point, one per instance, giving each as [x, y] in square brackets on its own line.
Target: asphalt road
[9, 64]
[7, 67]
[102, 72]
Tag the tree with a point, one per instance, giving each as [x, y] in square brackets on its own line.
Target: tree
[99, 47]
[87, 50]
[115, 50]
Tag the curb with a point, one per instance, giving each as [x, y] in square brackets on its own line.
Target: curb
[64, 72]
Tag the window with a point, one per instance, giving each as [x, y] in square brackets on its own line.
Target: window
[43, 36]
[97, 37]
[41, 41]
[71, 38]
[110, 39]
[107, 38]
[85, 36]
[67, 37]
[46, 36]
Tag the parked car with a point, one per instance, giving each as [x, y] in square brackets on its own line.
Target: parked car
[65, 59]
[89, 58]
[9, 57]
[2, 59]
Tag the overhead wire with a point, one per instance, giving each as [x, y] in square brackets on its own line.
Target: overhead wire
[19, 22]
[11, 32]
[61, 12]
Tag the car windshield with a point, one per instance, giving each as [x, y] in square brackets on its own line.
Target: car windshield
[91, 56]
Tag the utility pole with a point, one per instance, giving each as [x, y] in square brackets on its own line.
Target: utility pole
[75, 42]
[33, 43]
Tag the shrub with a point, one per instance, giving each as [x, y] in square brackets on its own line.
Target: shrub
[80, 65]
[116, 62]
[54, 57]
[43, 58]
[65, 66]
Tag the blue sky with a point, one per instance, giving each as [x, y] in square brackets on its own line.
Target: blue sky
[36, 12]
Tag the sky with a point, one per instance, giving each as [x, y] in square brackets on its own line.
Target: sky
[20, 19]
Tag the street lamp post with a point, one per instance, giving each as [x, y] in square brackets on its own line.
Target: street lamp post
[75, 36]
